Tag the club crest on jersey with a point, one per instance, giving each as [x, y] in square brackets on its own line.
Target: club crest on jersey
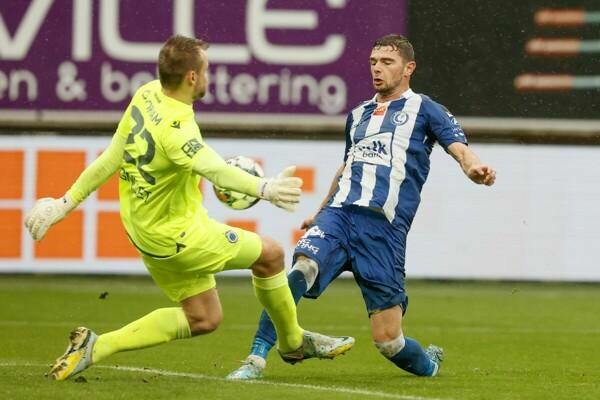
[231, 236]
[399, 118]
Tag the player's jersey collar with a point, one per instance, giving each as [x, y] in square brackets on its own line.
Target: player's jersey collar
[406, 95]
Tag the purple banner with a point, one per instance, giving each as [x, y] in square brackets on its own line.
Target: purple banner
[267, 56]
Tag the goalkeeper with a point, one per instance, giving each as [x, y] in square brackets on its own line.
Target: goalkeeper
[160, 155]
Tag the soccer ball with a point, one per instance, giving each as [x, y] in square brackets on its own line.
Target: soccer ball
[237, 200]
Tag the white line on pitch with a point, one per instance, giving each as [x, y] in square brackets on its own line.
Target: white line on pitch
[336, 389]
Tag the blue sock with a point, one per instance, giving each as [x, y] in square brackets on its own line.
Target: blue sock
[265, 336]
[413, 359]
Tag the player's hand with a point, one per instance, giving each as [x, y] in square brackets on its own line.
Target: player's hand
[482, 174]
[307, 223]
[45, 213]
[282, 191]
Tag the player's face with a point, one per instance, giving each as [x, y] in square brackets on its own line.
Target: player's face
[389, 70]
[201, 78]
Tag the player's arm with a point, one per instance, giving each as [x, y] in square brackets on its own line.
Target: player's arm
[471, 165]
[283, 191]
[332, 189]
[48, 211]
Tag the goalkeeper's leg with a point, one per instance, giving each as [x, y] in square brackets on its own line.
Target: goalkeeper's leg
[86, 348]
[300, 279]
[271, 288]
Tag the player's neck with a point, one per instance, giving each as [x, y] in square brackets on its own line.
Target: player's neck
[393, 95]
[178, 95]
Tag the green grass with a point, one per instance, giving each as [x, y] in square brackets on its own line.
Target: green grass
[501, 341]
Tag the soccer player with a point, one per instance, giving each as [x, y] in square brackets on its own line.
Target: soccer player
[364, 220]
[160, 155]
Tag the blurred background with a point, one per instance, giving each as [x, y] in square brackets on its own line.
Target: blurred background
[523, 78]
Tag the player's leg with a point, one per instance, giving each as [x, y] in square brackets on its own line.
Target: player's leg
[404, 352]
[186, 278]
[271, 289]
[300, 279]
[382, 286]
[315, 248]
[199, 314]
[86, 347]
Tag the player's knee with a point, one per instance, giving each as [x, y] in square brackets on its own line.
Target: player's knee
[271, 258]
[309, 269]
[392, 347]
[201, 325]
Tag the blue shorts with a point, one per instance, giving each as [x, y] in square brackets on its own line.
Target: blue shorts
[362, 241]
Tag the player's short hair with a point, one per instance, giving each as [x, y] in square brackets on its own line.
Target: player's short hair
[179, 55]
[399, 43]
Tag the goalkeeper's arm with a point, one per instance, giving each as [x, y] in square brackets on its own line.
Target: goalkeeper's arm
[48, 211]
[283, 191]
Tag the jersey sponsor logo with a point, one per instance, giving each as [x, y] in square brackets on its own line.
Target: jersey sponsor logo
[399, 118]
[176, 124]
[231, 236]
[191, 147]
[305, 244]
[314, 231]
[380, 110]
[452, 118]
[374, 149]
[138, 190]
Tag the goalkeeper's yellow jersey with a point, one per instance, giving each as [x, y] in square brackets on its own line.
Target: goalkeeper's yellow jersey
[159, 193]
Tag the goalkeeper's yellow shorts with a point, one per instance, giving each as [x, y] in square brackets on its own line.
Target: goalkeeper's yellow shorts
[210, 247]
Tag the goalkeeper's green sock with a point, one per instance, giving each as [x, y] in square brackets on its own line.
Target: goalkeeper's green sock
[160, 326]
[275, 296]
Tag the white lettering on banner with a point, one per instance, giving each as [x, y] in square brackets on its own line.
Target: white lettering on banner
[18, 47]
[328, 94]
[82, 30]
[13, 81]
[68, 88]
[259, 19]
[183, 23]
[116, 86]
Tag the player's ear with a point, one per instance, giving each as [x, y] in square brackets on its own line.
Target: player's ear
[409, 68]
[191, 77]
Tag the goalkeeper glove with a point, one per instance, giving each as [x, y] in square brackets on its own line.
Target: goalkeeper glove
[282, 191]
[47, 212]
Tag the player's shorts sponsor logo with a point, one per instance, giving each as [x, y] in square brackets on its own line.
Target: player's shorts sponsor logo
[374, 149]
[305, 244]
[191, 147]
[314, 231]
[231, 236]
[399, 118]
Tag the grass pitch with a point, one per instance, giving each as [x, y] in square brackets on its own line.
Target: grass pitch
[501, 341]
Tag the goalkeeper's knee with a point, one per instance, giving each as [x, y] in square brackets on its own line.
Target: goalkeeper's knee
[309, 269]
[392, 347]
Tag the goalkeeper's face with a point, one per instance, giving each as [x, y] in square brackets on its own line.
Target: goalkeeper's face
[200, 83]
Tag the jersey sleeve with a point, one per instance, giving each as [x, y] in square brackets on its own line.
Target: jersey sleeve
[99, 171]
[443, 125]
[212, 166]
[124, 127]
[182, 145]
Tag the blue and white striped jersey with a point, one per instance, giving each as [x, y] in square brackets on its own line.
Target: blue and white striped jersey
[387, 154]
